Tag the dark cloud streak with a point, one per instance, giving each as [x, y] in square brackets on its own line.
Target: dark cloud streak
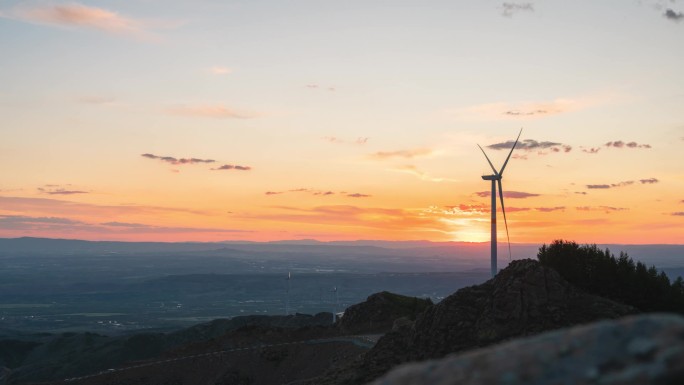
[177, 161]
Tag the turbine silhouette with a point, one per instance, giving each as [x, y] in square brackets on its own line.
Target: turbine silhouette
[496, 179]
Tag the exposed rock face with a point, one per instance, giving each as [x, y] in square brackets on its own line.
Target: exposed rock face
[640, 350]
[525, 298]
[379, 311]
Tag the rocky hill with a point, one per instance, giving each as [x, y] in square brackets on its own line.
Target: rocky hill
[52, 357]
[640, 350]
[379, 312]
[523, 299]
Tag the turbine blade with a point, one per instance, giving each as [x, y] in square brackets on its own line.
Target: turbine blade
[505, 221]
[509, 154]
[489, 161]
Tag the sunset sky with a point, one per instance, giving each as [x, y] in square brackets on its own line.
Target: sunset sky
[212, 120]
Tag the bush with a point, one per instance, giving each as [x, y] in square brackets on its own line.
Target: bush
[621, 279]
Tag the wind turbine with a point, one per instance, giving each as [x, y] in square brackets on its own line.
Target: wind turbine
[496, 179]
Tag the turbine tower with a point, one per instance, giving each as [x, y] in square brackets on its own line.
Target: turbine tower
[496, 179]
[287, 295]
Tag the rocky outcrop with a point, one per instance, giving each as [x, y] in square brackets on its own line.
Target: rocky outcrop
[523, 299]
[640, 350]
[379, 312]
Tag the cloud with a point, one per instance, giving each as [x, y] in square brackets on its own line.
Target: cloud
[621, 184]
[612, 185]
[212, 111]
[413, 170]
[509, 9]
[79, 16]
[57, 207]
[550, 209]
[470, 208]
[177, 161]
[606, 209]
[529, 109]
[508, 194]
[581, 192]
[622, 144]
[60, 191]
[384, 219]
[357, 195]
[592, 150]
[219, 70]
[361, 140]
[318, 193]
[407, 154]
[124, 224]
[674, 16]
[145, 228]
[15, 220]
[316, 86]
[233, 167]
[678, 214]
[531, 145]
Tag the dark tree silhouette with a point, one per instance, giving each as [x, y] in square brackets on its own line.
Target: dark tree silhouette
[621, 279]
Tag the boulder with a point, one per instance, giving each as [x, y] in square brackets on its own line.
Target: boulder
[638, 350]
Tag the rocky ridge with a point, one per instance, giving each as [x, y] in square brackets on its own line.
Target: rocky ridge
[525, 298]
[639, 350]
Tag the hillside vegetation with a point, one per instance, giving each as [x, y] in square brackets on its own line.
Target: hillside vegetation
[619, 278]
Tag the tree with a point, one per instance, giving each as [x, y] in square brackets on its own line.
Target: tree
[621, 279]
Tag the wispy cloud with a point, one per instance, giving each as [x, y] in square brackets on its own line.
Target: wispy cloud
[357, 195]
[674, 16]
[622, 144]
[14, 221]
[67, 225]
[80, 16]
[530, 109]
[406, 154]
[509, 9]
[532, 145]
[508, 194]
[413, 170]
[53, 190]
[316, 192]
[313, 86]
[615, 144]
[611, 185]
[153, 229]
[177, 161]
[592, 150]
[212, 111]
[678, 214]
[385, 219]
[233, 167]
[550, 209]
[621, 184]
[57, 207]
[605, 209]
[361, 140]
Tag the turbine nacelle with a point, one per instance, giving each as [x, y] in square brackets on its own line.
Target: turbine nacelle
[491, 177]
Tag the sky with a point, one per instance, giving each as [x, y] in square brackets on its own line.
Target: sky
[264, 120]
